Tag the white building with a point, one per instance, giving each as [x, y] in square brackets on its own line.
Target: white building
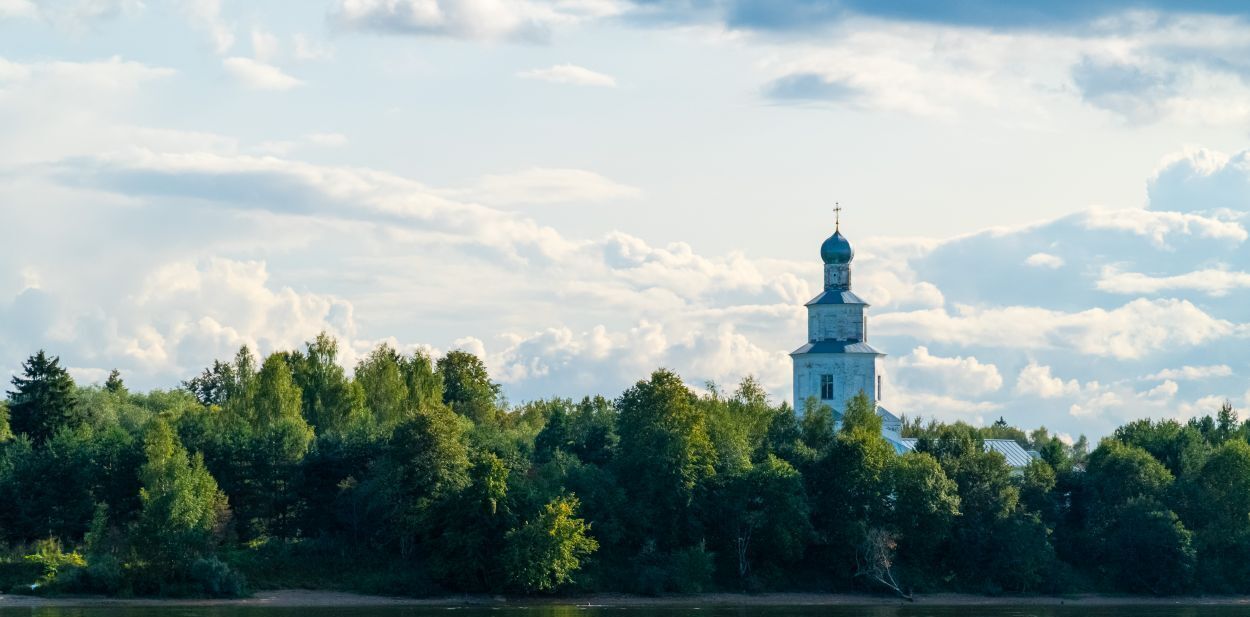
[837, 362]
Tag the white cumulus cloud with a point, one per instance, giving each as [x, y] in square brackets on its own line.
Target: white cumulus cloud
[1192, 373]
[258, 75]
[570, 74]
[1044, 260]
[965, 375]
[1037, 380]
[1211, 281]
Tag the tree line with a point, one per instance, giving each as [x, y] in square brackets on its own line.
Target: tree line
[414, 476]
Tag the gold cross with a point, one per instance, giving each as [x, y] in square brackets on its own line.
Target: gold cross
[837, 216]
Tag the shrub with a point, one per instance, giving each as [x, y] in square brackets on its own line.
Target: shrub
[217, 579]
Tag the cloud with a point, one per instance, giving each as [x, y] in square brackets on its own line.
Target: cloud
[1044, 260]
[206, 15]
[810, 87]
[800, 15]
[570, 74]
[927, 404]
[1212, 282]
[1037, 380]
[258, 75]
[18, 8]
[305, 48]
[265, 46]
[959, 374]
[1192, 373]
[547, 186]
[517, 20]
[180, 316]
[1201, 180]
[1132, 90]
[315, 140]
[1159, 225]
[72, 15]
[1132, 330]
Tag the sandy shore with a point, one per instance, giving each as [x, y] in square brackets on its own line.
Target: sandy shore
[297, 598]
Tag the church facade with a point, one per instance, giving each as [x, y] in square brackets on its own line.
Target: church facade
[837, 362]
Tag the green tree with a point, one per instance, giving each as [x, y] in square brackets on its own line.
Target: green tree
[114, 383]
[43, 399]
[665, 454]
[818, 425]
[1148, 549]
[467, 387]
[465, 530]
[1037, 485]
[926, 503]
[183, 511]
[426, 462]
[6, 433]
[861, 415]
[1179, 447]
[422, 379]
[329, 398]
[849, 491]
[381, 377]
[275, 397]
[545, 552]
[1120, 473]
[1217, 508]
[760, 517]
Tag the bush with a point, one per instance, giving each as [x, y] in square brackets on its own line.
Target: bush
[51, 560]
[217, 579]
[103, 574]
[687, 570]
[691, 569]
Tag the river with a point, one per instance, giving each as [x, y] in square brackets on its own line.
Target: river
[578, 611]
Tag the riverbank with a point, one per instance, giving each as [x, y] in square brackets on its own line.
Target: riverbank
[299, 598]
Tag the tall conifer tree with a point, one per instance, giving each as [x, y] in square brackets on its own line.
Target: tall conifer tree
[43, 401]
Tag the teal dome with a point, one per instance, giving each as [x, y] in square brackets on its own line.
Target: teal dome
[837, 249]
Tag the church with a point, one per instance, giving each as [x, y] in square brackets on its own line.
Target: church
[837, 362]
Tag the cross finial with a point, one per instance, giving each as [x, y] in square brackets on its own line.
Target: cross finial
[837, 216]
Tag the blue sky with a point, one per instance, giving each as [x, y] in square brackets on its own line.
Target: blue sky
[1048, 200]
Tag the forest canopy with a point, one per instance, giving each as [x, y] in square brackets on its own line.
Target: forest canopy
[411, 475]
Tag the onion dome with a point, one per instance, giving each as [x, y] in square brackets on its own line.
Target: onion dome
[837, 249]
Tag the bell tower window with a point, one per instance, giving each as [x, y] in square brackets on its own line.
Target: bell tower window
[826, 387]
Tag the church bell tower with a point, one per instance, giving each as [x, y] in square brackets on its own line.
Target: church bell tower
[837, 362]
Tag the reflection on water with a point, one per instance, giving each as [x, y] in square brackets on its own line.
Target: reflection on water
[576, 611]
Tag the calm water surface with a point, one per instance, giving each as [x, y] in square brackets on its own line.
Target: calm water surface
[568, 611]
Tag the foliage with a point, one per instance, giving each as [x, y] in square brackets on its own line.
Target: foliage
[467, 387]
[544, 553]
[414, 476]
[182, 511]
[43, 399]
[665, 456]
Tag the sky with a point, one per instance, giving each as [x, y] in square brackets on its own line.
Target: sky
[1048, 200]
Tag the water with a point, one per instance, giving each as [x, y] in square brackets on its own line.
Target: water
[572, 611]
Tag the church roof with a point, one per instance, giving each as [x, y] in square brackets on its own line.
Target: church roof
[834, 296]
[1016, 456]
[887, 415]
[837, 249]
[836, 347]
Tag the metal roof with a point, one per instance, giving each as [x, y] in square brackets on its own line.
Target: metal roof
[1016, 456]
[836, 347]
[836, 296]
[886, 416]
